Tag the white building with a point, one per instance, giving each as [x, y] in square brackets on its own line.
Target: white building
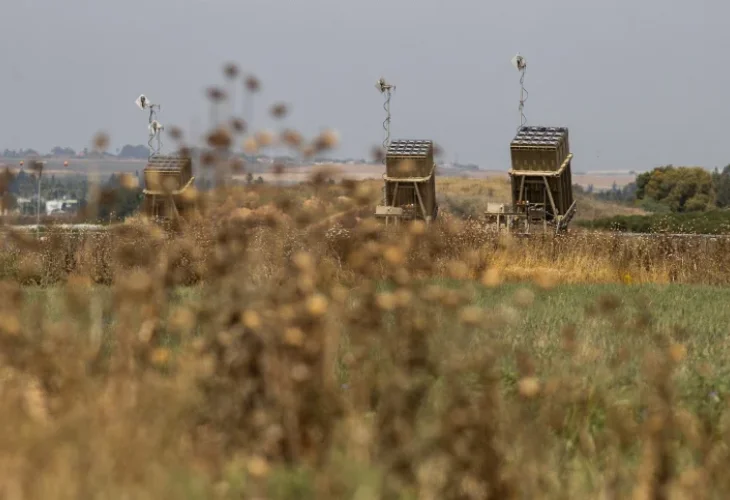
[58, 207]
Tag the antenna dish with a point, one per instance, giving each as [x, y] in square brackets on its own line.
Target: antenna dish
[519, 62]
[155, 127]
[383, 86]
[142, 102]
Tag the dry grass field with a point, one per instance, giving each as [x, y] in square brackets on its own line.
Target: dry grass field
[469, 198]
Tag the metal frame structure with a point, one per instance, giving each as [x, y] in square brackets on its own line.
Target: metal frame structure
[541, 181]
[542, 212]
[401, 186]
[167, 179]
[409, 182]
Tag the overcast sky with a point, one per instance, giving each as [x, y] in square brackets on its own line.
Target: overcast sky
[639, 83]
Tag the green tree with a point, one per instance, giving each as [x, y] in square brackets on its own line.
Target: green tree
[119, 202]
[681, 189]
[721, 185]
[61, 151]
[137, 152]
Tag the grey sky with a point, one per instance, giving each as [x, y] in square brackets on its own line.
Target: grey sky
[637, 81]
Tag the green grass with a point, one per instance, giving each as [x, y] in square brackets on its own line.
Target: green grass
[609, 321]
[700, 308]
[525, 321]
[695, 316]
[711, 222]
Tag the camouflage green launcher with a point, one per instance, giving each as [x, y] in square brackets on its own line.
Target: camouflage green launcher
[541, 173]
[409, 158]
[541, 182]
[539, 149]
[410, 183]
[168, 180]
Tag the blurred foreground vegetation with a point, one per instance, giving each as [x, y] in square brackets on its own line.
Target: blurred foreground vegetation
[442, 389]
[257, 353]
[280, 343]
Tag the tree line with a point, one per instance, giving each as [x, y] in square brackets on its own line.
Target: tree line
[671, 189]
[128, 151]
[141, 152]
[678, 199]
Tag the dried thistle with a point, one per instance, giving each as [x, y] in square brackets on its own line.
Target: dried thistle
[327, 140]
[216, 94]
[230, 71]
[128, 181]
[208, 158]
[237, 165]
[238, 125]
[377, 154]
[252, 84]
[101, 142]
[220, 138]
[279, 110]
[250, 146]
[175, 133]
[291, 138]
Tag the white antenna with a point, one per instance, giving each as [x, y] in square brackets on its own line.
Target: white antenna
[155, 128]
[520, 64]
[386, 88]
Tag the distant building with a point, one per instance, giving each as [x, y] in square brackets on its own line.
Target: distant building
[25, 206]
[61, 207]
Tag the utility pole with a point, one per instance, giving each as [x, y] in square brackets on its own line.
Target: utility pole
[39, 166]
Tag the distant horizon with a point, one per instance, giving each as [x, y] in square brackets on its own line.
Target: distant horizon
[324, 159]
[333, 159]
[357, 161]
[108, 166]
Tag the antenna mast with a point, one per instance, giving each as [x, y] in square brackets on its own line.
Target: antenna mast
[155, 127]
[520, 63]
[386, 88]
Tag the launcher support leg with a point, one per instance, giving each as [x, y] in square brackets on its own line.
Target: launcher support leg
[173, 208]
[550, 196]
[420, 202]
[522, 189]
